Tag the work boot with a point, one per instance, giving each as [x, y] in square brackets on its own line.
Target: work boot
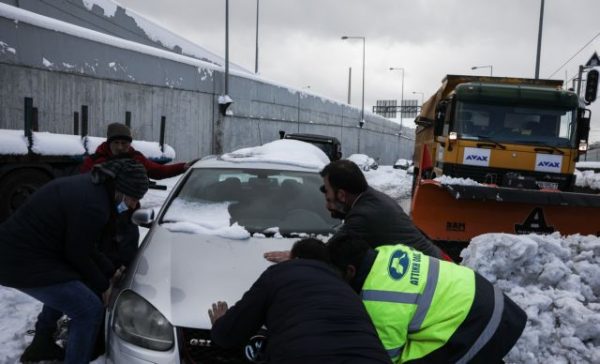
[42, 348]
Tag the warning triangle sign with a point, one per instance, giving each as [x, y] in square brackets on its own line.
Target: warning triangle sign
[594, 61]
[534, 223]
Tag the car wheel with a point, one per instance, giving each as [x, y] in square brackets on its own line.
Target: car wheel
[16, 188]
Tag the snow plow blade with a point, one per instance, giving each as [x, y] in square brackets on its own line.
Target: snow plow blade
[457, 213]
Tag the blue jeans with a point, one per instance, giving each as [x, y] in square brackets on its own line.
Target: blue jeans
[83, 307]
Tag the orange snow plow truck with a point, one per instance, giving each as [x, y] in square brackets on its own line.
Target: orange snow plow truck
[498, 154]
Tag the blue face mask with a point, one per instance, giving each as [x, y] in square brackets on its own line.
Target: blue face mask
[122, 207]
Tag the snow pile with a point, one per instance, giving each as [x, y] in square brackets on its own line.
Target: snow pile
[13, 142]
[19, 313]
[447, 180]
[363, 161]
[395, 183]
[283, 151]
[202, 217]
[587, 179]
[556, 280]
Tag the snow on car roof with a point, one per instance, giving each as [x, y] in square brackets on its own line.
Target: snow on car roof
[283, 151]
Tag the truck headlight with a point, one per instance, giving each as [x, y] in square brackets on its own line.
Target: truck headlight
[583, 146]
[138, 322]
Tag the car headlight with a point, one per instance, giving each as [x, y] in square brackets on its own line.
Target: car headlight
[138, 322]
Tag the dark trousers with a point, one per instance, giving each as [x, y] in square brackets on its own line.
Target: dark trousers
[78, 302]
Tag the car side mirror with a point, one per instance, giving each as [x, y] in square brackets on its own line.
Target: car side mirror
[143, 217]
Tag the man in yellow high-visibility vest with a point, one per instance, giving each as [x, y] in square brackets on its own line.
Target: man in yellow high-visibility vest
[426, 310]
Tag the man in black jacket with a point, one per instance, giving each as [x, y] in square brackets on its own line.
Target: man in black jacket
[310, 314]
[367, 213]
[48, 249]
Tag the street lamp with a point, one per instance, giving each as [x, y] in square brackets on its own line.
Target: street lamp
[422, 95]
[402, 97]
[362, 110]
[488, 66]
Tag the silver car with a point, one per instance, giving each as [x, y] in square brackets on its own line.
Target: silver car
[205, 245]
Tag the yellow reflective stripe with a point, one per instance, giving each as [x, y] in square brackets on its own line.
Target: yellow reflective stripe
[424, 302]
[388, 296]
[490, 328]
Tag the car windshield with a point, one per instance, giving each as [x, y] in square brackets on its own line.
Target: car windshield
[514, 124]
[260, 201]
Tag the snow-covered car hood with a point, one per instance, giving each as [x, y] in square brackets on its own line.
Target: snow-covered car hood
[182, 274]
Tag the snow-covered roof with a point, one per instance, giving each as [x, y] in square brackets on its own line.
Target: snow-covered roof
[283, 151]
[117, 65]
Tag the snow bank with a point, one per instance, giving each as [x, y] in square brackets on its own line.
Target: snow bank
[587, 179]
[284, 151]
[556, 280]
[395, 183]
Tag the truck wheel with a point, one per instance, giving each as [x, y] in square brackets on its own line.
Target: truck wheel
[16, 187]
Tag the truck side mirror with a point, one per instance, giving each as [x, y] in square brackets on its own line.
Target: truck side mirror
[440, 116]
[583, 125]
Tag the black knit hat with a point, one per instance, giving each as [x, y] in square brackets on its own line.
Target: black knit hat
[129, 176]
[118, 131]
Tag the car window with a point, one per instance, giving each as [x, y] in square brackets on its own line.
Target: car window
[261, 201]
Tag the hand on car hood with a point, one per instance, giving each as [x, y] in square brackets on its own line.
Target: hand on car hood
[183, 274]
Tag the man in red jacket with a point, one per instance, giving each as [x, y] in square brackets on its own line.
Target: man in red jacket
[122, 248]
[118, 145]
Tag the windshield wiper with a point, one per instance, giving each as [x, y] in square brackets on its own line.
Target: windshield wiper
[492, 142]
[545, 147]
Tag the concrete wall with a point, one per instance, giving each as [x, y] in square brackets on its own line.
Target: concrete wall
[62, 71]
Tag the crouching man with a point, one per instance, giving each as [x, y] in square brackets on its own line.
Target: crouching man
[48, 250]
[426, 310]
[311, 314]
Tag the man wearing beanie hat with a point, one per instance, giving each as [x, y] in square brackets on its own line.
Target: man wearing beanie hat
[49, 250]
[118, 145]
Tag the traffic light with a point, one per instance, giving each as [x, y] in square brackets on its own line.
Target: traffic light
[591, 86]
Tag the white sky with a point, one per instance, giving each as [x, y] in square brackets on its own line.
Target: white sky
[300, 45]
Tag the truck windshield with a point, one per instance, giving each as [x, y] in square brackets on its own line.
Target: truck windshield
[515, 124]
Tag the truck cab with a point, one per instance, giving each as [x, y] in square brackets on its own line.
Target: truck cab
[507, 134]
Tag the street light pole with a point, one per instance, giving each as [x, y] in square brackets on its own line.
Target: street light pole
[402, 96]
[256, 59]
[422, 96]
[226, 47]
[539, 44]
[362, 110]
[487, 66]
